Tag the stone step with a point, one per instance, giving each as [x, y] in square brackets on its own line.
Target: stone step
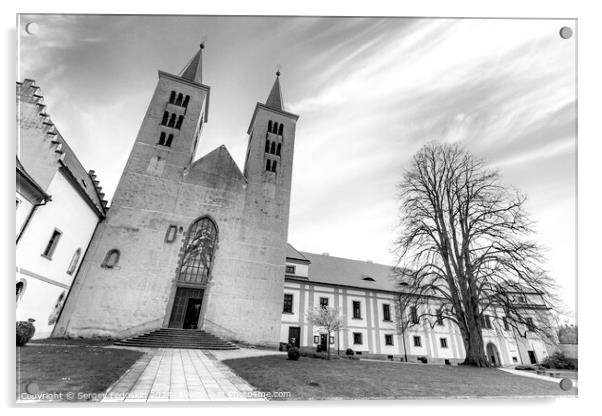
[178, 338]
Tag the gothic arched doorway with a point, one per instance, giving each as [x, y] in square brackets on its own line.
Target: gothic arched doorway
[493, 355]
[194, 272]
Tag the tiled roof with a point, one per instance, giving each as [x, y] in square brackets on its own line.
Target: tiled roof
[292, 253]
[346, 272]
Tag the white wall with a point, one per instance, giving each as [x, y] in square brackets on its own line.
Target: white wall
[23, 210]
[70, 214]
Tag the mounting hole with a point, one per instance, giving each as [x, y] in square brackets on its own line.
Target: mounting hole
[32, 28]
[566, 32]
[566, 384]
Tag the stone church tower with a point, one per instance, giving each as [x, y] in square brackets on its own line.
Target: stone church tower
[191, 244]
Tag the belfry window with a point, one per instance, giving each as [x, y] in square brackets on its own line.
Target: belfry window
[179, 99]
[274, 166]
[172, 121]
[197, 258]
[162, 139]
[267, 146]
[172, 97]
[270, 126]
[169, 139]
[185, 103]
[280, 129]
[165, 118]
[275, 128]
[179, 123]
[273, 148]
[268, 165]
[111, 259]
[278, 148]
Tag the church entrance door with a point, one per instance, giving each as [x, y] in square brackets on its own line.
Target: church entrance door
[193, 311]
[186, 308]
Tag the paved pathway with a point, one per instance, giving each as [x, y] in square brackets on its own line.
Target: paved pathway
[184, 375]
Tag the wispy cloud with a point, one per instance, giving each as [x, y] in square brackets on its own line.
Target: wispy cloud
[370, 92]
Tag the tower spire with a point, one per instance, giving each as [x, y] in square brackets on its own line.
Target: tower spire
[193, 71]
[275, 98]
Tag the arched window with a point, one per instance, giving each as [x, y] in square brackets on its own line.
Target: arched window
[54, 315]
[273, 148]
[268, 165]
[180, 98]
[74, 261]
[162, 139]
[111, 259]
[278, 148]
[172, 121]
[270, 126]
[169, 139]
[267, 146]
[274, 166]
[179, 123]
[165, 118]
[21, 285]
[280, 129]
[197, 256]
[185, 104]
[172, 97]
[275, 129]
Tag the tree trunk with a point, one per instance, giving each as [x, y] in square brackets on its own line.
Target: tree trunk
[475, 349]
[328, 345]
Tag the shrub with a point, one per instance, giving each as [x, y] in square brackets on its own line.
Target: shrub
[25, 331]
[525, 367]
[349, 351]
[558, 361]
[293, 353]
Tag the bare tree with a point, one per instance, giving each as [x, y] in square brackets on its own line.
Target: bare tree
[464, 250]
[328, 319]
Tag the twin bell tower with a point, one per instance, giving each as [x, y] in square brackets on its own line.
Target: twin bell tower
[191, 244]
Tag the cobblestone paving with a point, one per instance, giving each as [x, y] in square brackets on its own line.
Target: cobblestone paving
[183, 375]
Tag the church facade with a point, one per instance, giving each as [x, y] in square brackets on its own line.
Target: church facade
[191, 244]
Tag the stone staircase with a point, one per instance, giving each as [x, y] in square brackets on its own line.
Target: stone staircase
[178, 338]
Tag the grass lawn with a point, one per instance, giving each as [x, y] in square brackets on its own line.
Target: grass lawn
[72, 370]
[348, 379]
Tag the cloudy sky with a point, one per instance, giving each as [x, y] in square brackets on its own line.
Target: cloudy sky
[370, 93]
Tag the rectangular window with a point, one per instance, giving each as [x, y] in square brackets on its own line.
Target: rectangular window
[386, 312]
[323, 303]
[290, 269]
[288, 303]
[506, 326]
[530, 324]
[443, 342]
[52, 243]
[357, 338]
[388, 339]
[414, 314]
[357, 312]
[486, 322]
[417, 341]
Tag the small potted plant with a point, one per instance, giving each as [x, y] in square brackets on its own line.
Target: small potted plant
[25, 331]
